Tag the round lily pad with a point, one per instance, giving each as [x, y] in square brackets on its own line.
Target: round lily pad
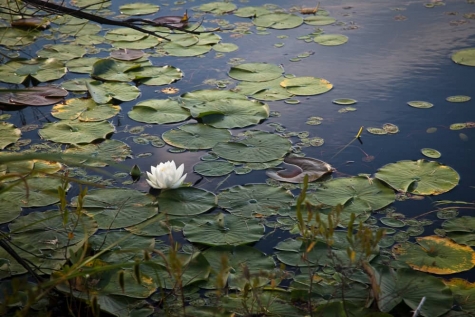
[278, 20]
[175, 49]
[84, 110]
[213, 168]
[254, 147]
[465, 57]
[306, 86]
[138, 8]
[373, 130]
[319, 20]
[390, 128]
[229, 230]
[159, 111]
[420, 104]
[250, 12]
[344, 101]
[458, 98]
[100, 154]
[436, 255]
[8, 134]
[314, 168]
[185, 201]
[156, 76]
[254, 200]
[73, 132]
[392, 222]
[331, 39]
[195, 136]
[265, 90]
[431, 153]
[225, 47]
[419, 177]
[218, 7]
[255, 72]
[457, 126]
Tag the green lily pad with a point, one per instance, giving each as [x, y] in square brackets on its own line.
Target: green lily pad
[419, 177]
[100, 154]
[390, 128]
[431, 153]
[377, 131]
[16, 37]
[306, 86]
[157, 76]
[124, 35]
[159, 111]
[465, 57]
[458, 98]
[185, 201]
[17, 71]
[420, 104]
[225, 47]
[254, 200]
[226, 230]
[331, 39]
[218, 7]
[344, 101]
[250, 12]
[314, 168]
[392, 222]
[356, 194]
[265, 90]
[195, 136]
[278, 20]
[175, 49]
[319, 20]
[62, 52]
[81, 65]
[113, 70]
[34, 192]
[255, 72]
[461, 229]
[458, 126]
[463, 292]
[436, 255]
[115, 208]
[9, 134]
[254, 146]
[127, 55]
[73, 132]
[213, 168]
[84, 110]
[105, 92]
[138, 8]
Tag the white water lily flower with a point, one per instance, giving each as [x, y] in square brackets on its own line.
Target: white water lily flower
[166, 175]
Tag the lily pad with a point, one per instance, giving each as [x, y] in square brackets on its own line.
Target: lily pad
[62, 52]
[195, 136]
[81, 65]
[127, 54]
[331, 39]
[392, 222]
[390, 128]
[113, 70]
[458, 98]
[226, 230]
[175, 49]
[225, 47]
[306, 86]
[420, 104]
[314, 168]
[32, 96]
[356, 194]
[84, 110]
[254, 146]
[265, 90]
[17, 71]
[74, 132]
[16, 37]
[254, 200]
[255, 72]
[185, 201]
[115, 208]
[34, 192]
[419, 177]
[319, 20]
[431, 153]
[157, 76]
[138, 8]
[218, 7]
[465, 57]
[278, 20]
[436, 255]
[9, 134]
[461, 230]
[100, 154]
[105, 92]
[159, 111]
[250, 12]
[213, 168]
[344, 101]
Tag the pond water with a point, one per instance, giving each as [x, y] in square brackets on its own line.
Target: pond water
[397, 51]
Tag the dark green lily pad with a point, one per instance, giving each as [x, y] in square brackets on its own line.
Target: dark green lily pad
[105, 92]
[100, 154]
[254, 146]
[17, 71]
[159, 111]
[74, 132]
[419, 177]
[157, 76]
[62, 52]
[254, 200]
[138, 8]
[195, 136]
[218, 7]
[9, 134]
[213, 168]
[34, 192]
[185, 201]
[255, 72]
[84, 110]
[278, 20]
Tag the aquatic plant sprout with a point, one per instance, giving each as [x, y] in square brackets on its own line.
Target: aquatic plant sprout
[166, 175]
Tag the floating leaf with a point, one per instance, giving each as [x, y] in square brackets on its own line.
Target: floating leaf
[138, 8]
[105, 92]
[16, 37]
[218, 7]
[304, 166]
[234, 230]
[457, 126]
[436, 255]
[73, 132]
[32, 96]
[431, 153]
[127, 54]
[392, 222]
[458, 98]
[175, 49]
[265, 90]
[278, 20]
[356, 194]
[306, 86]
[376, 131]
[100, 154]
[390, 128]
[213, 168]
[84, 110]
[153, 75]
[62, 52]
[419, 177]
[463, 292]
[292, 101]
[185, 201]
[34, 192]
[255, 146]
[195, 136]
[465, 57]
[250, 12]
[461, 230]
[255, 72]
[254, 199]
[344, 101]
[331, 39]
[420, 104]
[110, 69]
[319, 20]
[225, 47]
[17, 71]
[115, 208]
[158, 111]
[8, 134]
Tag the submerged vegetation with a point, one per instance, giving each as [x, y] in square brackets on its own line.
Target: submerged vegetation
[81, 237]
